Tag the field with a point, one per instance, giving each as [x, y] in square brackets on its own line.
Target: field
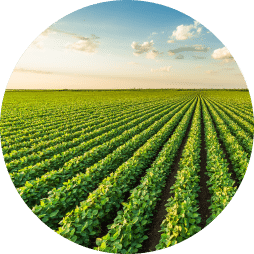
[127, 171]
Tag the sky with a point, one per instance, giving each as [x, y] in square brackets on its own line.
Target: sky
[126, 45]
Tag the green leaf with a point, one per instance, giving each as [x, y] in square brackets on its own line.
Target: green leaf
[98, 241]
[74, 238]
[118, 246]
[72, 232]
[85, 226]
[45, 219]
[135, 220]
[54, 213]
[95, 212]
[103, 246]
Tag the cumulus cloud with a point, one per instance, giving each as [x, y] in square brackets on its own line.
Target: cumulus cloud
[142, 48]
[162, 69]
[153, 54]
[146, 47]
[179, 57]
[194, 48]
[85, 44]
[222, 54]
[170, 41]
[183, 32]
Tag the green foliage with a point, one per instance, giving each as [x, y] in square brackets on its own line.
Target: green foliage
[130, 224]
[220, 183]
[182, 218]
[75, 155]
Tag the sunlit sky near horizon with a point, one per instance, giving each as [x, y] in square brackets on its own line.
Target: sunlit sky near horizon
[114, 45]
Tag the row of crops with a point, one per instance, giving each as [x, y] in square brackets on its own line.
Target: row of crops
[127, 171]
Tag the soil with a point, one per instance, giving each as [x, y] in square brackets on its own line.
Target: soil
[204, 195]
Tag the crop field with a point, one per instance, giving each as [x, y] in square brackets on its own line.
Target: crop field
[127, 171]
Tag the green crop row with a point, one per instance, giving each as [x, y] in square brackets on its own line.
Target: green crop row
[237, 155]
[81, 224]
[238, 118]
[37, 189]
[26, 161]
[127, 232]
[238, 108]
[182, 219]
[67, 134]
[244, 140]
[78, 188]
[220, 183]
[55, 130]
[46, 124]
[58, 160]
[66, 116]
[32, 129]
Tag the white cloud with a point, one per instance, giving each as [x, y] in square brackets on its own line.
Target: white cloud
[154, 33]
[152, 54]
[221, 53]
[162, 69]
[183, 32]
[170, 41]
[143, 48]
[88, 45]
[146, 47]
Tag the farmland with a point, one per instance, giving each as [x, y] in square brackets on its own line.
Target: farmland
[127, 171]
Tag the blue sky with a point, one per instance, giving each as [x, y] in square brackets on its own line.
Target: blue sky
[126, 44]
